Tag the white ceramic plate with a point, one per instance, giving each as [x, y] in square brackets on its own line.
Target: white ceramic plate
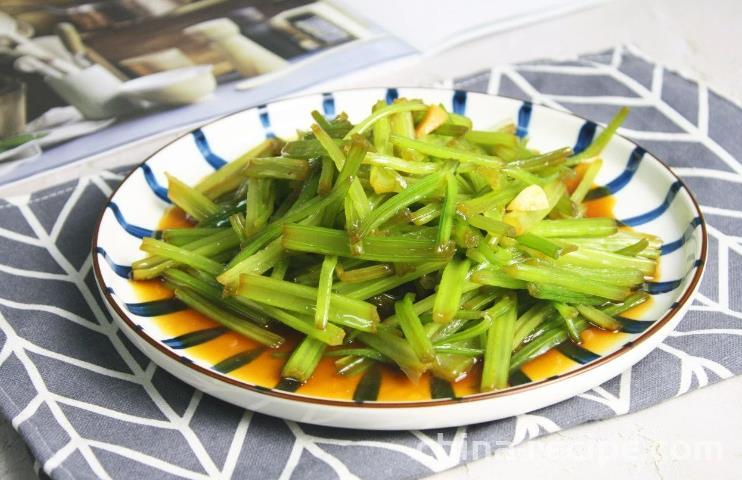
[648, 196]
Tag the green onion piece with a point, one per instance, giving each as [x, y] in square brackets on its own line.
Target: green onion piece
[413, 329]
[209, 288]
[358, 148]
[497, 278]
[237, 222]
[337, 127]
[358, 352]
[544, 245]
[540, 162]
[448, 212]
[308, 149]
[464, 235]
[259, 206]
[228, 177]
[578, 227]
[500, 256]
[321, 120]
[371, 288]
[352, 223]
[302, 298]
[351, 365]
[466, 314]
[403, 125]
[569, 314]
[527, 323]
[305, 308]
[448, 296]
[458, 119]
[447, 153]
[451, 130]
[451, 367]
[618, 241]
[209, 246]
[388, 209]
[492, 226]
[496, 367]
[537, 346]
[426, 214]
[396, 349]
[399, 164]
[308, 191]
[526, 177]
[547, 291]
[491, 139]
[279, 269]
[257, 263]
[303, 360]
[634, 249]
[333, 150]
[458, 350]
[273, 229]
[190, 200]
[467, 334]
[578, 195]
[385, 180]
[183, 236]
[369, 121]
[181, 255]
[480, 328]
[426, 304]
[598, 318]
[327, 174]
[324, 291]
[327, 241]
[489, 201]
[332, 335]
[228, 319]
[439, 332]
[221, 218]
[633, 300]
[621, 277]
[281, 168]
[600, 142]
[366, 273]
[600, 259]
[565, 208]
[482, 298]
[381, 131]
[566, 279]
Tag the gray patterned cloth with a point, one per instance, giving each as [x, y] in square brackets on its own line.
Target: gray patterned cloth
[90, 405]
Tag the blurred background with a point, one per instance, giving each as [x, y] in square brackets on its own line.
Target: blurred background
[133, 38]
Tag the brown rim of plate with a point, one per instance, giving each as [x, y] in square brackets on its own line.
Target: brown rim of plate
[272, 392]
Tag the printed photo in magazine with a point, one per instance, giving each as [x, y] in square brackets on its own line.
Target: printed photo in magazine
[80, 78]
[118, 70]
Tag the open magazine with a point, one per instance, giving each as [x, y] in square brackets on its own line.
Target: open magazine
[78, 79]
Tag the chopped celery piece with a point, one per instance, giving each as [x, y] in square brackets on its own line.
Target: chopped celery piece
[448, 296]
[324, 291]
[328, 238]
[303, 360]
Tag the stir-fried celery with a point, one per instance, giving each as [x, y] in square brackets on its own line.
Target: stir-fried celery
[330, 233]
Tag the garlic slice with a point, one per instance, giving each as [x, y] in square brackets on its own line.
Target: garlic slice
[530, 199]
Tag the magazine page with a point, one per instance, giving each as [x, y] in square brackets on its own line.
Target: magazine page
[434, 25]
[79, 78]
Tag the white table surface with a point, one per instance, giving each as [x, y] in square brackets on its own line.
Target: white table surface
[694, 436]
